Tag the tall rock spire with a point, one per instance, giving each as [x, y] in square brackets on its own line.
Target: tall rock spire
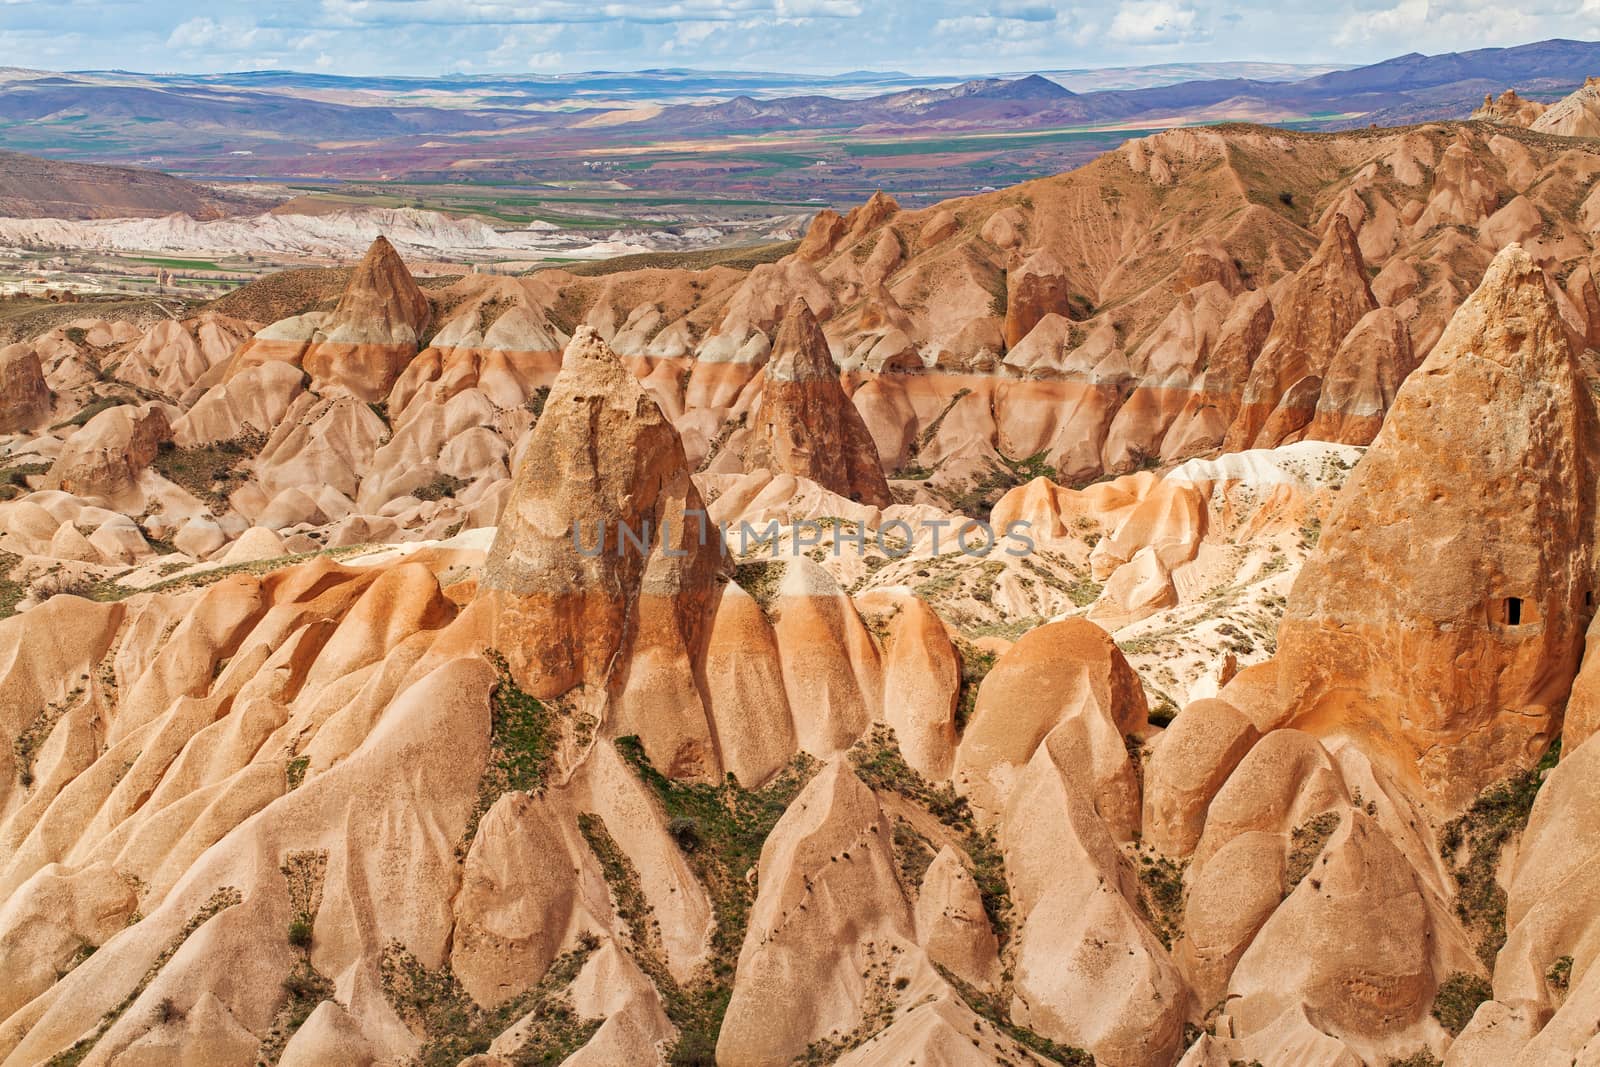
[806, 425]
[1442, 616]
[604, 567]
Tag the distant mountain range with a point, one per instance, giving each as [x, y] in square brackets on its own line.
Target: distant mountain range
[783, 139]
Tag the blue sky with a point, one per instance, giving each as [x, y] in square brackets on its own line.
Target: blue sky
[431, 37]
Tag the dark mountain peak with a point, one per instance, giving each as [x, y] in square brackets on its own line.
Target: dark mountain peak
[1033, 87]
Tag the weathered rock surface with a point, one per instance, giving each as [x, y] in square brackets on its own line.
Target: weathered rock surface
[1318, 306]
[603, 570]
[24, 394]
[1509, 108]
[104, 457]
[805, 425]
[1456, 669]
[1576, 115]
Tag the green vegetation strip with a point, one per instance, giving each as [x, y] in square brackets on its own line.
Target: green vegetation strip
[453, 1027]
[720, 829]
[1472, 843]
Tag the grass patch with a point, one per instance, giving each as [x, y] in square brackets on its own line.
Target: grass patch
[442, 486]
[1420, 1058]
[1560, 974]
[975, 667]
[177, 264]
[761, 579]
[993, 1007]
[1471, 845]
[979, 498]
[730, 826]
[305, 987]
[13, 479]
[93, 408]
[25, 748]
[913, 855]
[878, 762]
[212, 575]
[522, 739]
[453, 1027]
[207, 471]
[1307, 843]
[877, 1012]
[1458, 997]
[1161, 892]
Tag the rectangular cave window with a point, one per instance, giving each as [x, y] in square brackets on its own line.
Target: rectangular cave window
[1513, 611]
[1588, 598]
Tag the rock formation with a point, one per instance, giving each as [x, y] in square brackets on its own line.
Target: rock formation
[604, 565]
[104, 457]
[360, 347]
[1576, 115]
[805, 424]
[1457, 668]
[1509, 108]
[24, 395]
[325, 737]
[1319, 305]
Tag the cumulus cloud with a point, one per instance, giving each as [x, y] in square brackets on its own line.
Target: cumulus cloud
[1146, 22]
[1407, 16]
[202, 33]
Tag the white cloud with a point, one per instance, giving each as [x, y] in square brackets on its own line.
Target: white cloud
[1145, 22]
[207, 34]
[1407, 16]
[811, 9]
[1435, 26]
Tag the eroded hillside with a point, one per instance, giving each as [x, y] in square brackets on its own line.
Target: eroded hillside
[334, 740]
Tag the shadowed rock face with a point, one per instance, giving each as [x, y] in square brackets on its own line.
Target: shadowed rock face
[1362, 379]
[24, 394]
[104, 458]
[806, 425]
[1442, 617]
[1320, 305]
[602, 453]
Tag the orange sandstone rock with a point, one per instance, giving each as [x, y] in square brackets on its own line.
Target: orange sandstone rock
[1441, 618]
[805, 425]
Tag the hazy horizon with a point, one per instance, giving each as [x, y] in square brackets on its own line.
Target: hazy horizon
[433, 38]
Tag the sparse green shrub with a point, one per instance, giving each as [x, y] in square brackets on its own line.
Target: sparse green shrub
[975, 667]
[435, 1004]
[441, 486]
[731, 824]
[1161, 891]
[1472, 842]
[1306, 844]
[1458, 997]
[685, 831]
